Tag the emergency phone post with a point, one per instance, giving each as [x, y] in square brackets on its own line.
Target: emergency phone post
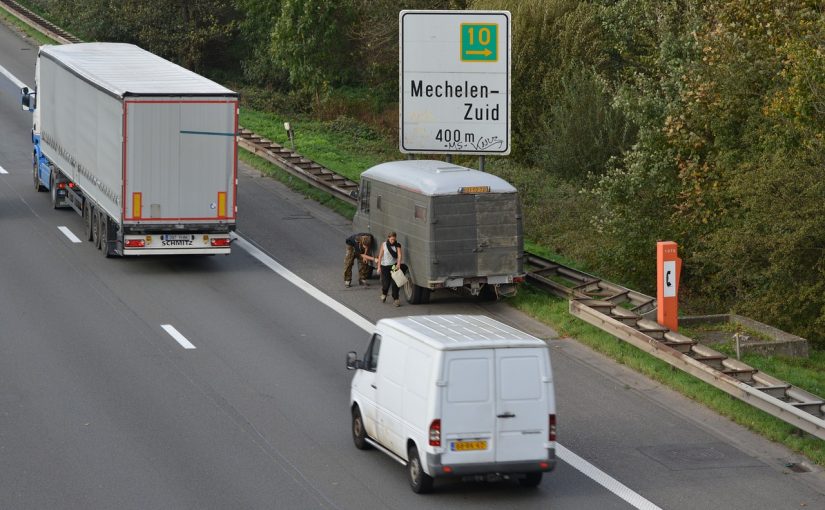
[668, 270]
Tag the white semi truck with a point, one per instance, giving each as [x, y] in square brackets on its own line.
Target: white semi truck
[143, 149]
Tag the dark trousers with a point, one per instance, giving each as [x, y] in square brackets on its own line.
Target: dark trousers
[386, 281]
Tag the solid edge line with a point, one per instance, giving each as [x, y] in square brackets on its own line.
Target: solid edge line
[68, 233]
[302, 284]
[588, 469]
[186, 344]
[605, 480]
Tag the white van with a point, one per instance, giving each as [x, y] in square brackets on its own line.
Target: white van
[455, 395]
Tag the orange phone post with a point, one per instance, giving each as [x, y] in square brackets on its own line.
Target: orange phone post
[668, 270]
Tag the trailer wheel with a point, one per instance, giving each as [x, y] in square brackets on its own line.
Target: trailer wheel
[37, 185]
[95, 228]
[87, 220]
[104, 235]
[101, 229]
[415, 294]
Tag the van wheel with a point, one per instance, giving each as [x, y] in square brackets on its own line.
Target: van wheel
[530, 479]
[359, 433]
[420, 482]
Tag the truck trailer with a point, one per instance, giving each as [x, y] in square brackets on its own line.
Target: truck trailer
[143, 149]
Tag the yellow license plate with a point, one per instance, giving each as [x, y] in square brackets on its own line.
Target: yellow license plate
[464, 446]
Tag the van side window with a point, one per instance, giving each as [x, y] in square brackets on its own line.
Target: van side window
[364, 196]
[371, 356]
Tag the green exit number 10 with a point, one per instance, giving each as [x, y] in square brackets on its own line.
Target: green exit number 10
[479, 42]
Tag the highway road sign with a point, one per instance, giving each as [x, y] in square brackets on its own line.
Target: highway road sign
[454, 89]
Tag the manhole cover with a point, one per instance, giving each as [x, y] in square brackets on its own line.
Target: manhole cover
[705, 456]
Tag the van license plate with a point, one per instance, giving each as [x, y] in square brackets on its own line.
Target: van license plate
[464, 446]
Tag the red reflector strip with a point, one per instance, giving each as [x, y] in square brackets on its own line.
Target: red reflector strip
[135, 243]
[448, 469]
[544, 465]
[221, 242]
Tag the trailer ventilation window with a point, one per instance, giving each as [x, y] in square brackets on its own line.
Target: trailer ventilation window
[365, 196]
[420, 212]
[378, 202]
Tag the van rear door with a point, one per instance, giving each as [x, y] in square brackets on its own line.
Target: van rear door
[522, 404]
[468, 407]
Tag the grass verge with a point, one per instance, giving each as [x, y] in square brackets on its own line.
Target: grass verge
[343, 145]
[12, 20]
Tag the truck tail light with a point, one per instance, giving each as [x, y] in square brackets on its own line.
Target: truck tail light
[61, 185]
[435, 432]
[518, 279]
[135, 243]
[551, 427]
[221, 242]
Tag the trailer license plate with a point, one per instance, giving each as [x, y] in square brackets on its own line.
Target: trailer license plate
[177, 237]
[464, 446]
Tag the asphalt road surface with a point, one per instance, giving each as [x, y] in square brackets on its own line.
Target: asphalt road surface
[219, 382]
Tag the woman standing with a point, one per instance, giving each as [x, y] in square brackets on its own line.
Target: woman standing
[390, 255]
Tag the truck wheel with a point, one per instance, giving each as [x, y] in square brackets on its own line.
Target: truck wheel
[87, 220]
[53, 192]
[37, 185]
[530, 479]
[359, 433]
[420, 482]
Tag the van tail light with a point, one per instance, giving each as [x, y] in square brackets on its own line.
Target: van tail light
[551, 427]
[435, 432]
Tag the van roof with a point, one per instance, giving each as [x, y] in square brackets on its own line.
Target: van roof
[455, 332]
[127, 70]
[433, 177]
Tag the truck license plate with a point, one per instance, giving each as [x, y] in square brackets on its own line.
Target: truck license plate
[464, 446]
[177, 237]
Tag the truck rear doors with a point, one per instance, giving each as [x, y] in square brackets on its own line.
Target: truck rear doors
[180, 160]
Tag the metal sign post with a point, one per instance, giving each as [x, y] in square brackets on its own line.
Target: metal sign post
[454, 83]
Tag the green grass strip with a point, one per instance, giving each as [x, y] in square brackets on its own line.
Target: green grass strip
[13, 20]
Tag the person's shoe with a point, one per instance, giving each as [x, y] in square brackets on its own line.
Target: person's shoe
[362, 282]
[396, 303]
[346, 283]
[383, 298]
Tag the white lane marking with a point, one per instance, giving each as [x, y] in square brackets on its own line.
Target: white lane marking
[3, 170]
[186, 344]
[603, 479]
[588, 469]
[68, 233]
[304, 285]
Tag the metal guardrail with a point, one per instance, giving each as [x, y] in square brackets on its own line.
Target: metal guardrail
[622, 312]
[625, 314]
[39, 23]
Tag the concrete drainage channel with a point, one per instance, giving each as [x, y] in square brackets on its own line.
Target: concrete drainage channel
[622, 312]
